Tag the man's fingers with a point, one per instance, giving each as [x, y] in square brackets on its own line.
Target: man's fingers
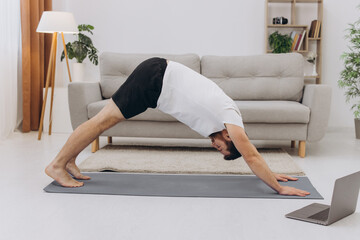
[301, 194]
[304, 193]
[293, 191]
[289, 178]
[292, 178]
[283, 177]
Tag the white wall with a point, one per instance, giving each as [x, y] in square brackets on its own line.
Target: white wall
[226, 27]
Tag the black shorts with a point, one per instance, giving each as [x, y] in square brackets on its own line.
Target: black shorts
[142, 88]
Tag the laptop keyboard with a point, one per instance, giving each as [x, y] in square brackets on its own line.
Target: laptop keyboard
[322, 215]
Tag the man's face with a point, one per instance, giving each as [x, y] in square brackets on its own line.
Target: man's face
[219, 142]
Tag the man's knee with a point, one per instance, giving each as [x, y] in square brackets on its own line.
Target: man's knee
[114, 111]
[105, 121]
[109, 115]
[111, 112]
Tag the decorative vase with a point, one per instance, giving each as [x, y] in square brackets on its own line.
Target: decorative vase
[314, 73]
[357, 128]
[78, 72]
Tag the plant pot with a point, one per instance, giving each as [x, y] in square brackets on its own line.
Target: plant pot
[357, 128]
[314, 73]
[78, 72]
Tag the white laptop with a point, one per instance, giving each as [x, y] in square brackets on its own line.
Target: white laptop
[343, 203]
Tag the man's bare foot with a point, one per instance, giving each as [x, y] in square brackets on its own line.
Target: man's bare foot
[75, 171]
[62, 176]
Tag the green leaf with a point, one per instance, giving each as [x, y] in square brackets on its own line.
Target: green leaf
[85, 28]
[70, 52]
[80, 51]
[84, 39]
[83, 47]
[280, 43]
[350, 75]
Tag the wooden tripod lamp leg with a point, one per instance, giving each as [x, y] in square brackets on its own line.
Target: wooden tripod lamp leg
[66, 56]
[51, 59]
[52, 86]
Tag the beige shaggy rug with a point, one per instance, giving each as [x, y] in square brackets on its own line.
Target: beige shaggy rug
[181, 160]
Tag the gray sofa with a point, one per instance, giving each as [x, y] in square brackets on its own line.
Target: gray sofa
[269, 90]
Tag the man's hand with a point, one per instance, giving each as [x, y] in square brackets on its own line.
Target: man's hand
[284, 178]
[286, 190]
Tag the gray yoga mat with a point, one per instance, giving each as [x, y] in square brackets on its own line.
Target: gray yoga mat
[181, 185]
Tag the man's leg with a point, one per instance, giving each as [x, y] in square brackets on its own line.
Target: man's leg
[78, 140]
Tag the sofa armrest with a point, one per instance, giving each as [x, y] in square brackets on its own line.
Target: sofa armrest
[80, 94]
[318, 99]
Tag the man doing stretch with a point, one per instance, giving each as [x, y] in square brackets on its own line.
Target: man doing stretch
[186, 95]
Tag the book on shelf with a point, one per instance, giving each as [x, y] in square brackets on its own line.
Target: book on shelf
[297, 42]
[312, 28]
[294, 42]
[315, 29]
[301, 40]
[292, 35]
[317, 32]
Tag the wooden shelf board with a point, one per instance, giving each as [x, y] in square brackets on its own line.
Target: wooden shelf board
[286, 26]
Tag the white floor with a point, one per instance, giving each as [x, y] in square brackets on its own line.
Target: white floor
[27, 212]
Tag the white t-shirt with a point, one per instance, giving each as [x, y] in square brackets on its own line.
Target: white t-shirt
[196, 101]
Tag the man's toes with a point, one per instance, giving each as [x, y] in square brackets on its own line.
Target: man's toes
[79, 184]
[82, 177]
[76, 173]
[75, 184]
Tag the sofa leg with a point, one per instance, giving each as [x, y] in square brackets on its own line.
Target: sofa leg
[302, 148]
[109, 139]
[293, 143]
[95, 145]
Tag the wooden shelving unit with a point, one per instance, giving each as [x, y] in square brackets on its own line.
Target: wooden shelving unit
[292, 25]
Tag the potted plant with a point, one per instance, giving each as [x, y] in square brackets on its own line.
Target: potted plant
[350, 76]
[79, 49]
[280, 43]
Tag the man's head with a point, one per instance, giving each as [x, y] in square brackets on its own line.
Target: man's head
[222, 142]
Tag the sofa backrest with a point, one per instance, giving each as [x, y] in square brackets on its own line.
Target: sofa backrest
[261, 77]
[116, 67]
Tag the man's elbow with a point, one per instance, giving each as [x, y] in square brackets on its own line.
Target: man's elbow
[251, 158]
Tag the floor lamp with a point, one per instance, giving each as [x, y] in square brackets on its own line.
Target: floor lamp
[54, 22]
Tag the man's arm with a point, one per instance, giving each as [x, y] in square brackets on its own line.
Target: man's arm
[256, 163]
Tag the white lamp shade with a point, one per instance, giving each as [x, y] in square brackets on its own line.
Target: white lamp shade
[51, 22]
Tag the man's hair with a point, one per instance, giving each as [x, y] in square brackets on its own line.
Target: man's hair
[234, 153]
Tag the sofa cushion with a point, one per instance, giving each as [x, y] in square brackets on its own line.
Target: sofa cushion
[273, 112]
[116, 67]
[149, 115]
[262, 77]
[251, 111]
